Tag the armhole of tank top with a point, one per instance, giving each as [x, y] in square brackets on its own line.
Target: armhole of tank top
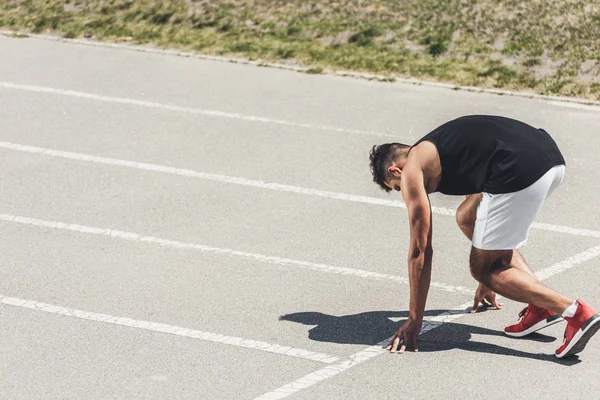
[438, 155]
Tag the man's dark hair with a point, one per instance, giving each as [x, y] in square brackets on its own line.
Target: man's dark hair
[382, 157]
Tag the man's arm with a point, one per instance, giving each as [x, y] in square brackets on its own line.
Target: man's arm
[420, 250]
[419, 255]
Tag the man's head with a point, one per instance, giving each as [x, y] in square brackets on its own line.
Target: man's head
[387, 161]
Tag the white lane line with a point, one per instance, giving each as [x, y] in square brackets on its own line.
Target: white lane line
[569, 263]
[566, 229]
[258, 184]
[188, 110]
[432, 323]
[226, 252]
[208, 176]
[170, 329]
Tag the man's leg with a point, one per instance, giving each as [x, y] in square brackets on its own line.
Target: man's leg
[531, 318]
[494, 269]
[490, 267]
[503, 222]
[466, 215]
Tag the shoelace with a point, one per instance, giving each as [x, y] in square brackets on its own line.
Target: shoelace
[523, 313]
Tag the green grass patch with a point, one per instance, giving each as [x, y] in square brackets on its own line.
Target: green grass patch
[545, 46]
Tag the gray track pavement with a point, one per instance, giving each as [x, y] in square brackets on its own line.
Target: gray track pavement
[251, 260]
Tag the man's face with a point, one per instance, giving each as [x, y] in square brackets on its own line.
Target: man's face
[393, 184]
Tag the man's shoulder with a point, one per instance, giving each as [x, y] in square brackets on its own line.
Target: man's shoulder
[423, 153]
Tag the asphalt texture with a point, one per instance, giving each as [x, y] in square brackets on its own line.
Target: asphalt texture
[152, 188]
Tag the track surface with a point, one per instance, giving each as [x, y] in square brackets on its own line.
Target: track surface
[174, 228]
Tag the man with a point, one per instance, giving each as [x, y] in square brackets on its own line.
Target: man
[506, 169]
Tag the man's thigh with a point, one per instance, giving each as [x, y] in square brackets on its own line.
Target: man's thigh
[466, 213]
[482, 262]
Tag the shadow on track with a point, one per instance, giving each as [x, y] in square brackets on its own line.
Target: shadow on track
[370, 328]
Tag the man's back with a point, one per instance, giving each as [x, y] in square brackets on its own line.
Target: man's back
[491, 154]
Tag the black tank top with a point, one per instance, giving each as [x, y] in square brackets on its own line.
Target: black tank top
[481, 153]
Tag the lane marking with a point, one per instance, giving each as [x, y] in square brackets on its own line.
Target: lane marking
[260, 184]
[566, 229]
[209, 176]
[188, 110]
[372, 351]
[569, 263]
[170, 329]
[226, 252]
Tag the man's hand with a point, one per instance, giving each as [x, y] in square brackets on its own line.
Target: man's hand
[487, 297]
[407, 335]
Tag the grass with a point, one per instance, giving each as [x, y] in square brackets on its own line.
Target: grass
[543, 46]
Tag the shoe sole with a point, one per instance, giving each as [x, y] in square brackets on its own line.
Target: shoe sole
[590, 327]
[551, 320]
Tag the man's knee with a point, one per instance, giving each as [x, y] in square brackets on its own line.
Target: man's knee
[483, 262]
[466, 214]
[465, 219]
[478, 270]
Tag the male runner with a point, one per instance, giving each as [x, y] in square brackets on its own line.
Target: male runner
[506, 169]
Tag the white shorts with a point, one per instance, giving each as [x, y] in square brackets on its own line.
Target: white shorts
[503, 220]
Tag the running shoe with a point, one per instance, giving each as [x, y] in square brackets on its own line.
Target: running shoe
[532, 319]
[580, 328]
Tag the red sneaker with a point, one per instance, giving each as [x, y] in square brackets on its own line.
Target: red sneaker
[532, 319]
[580, 328]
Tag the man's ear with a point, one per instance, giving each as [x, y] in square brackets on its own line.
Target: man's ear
[394, 170]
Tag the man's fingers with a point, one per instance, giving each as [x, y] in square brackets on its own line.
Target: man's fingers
[402, 348]
[486, 302]
[491, 298]
[389, 346]
[413, 344]
[395, 344]
[405, 342]
[475, 304]
[394, 338]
